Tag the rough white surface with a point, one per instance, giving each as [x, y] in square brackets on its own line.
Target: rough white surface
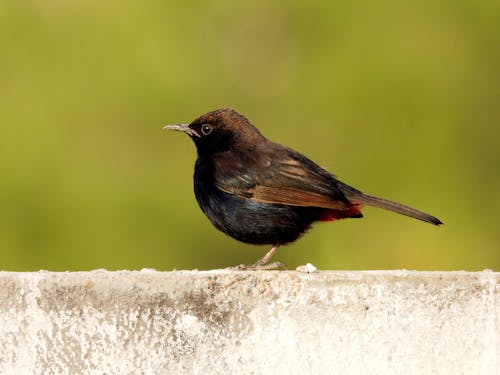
[232, 322]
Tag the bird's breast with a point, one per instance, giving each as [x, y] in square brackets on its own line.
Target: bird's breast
[245, 219]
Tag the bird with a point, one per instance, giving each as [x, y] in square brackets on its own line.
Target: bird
[260, 192]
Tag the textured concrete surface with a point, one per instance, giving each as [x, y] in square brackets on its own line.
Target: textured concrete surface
[214, 322]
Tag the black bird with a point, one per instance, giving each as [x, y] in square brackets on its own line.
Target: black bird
[261, 192]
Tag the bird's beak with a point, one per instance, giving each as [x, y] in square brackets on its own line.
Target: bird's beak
[182, 128]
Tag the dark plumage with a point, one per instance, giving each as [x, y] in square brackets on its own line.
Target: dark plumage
[260, 192]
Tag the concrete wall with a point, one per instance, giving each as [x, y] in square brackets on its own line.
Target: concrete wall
[148, 322]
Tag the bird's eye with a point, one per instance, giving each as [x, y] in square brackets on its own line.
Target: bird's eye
[206, 129]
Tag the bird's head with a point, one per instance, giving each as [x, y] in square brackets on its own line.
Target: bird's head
[218, 130]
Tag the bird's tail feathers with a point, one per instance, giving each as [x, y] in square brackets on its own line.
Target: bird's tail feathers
[356, 196]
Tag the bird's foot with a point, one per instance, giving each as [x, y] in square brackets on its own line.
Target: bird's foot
[259, 266]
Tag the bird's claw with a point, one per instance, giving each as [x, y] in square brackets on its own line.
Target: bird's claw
[259, 266]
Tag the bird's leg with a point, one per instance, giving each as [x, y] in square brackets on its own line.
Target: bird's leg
[262, 264]
[266, 258]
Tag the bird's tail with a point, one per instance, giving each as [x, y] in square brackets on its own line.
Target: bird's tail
[357, 196]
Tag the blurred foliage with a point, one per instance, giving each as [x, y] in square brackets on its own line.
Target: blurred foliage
[398, 98]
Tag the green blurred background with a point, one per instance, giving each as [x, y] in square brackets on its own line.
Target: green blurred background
[398, 98]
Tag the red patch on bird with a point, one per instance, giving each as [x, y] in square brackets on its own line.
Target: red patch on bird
[354, 211]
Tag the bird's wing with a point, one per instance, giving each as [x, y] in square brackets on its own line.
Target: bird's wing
[288, 178]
